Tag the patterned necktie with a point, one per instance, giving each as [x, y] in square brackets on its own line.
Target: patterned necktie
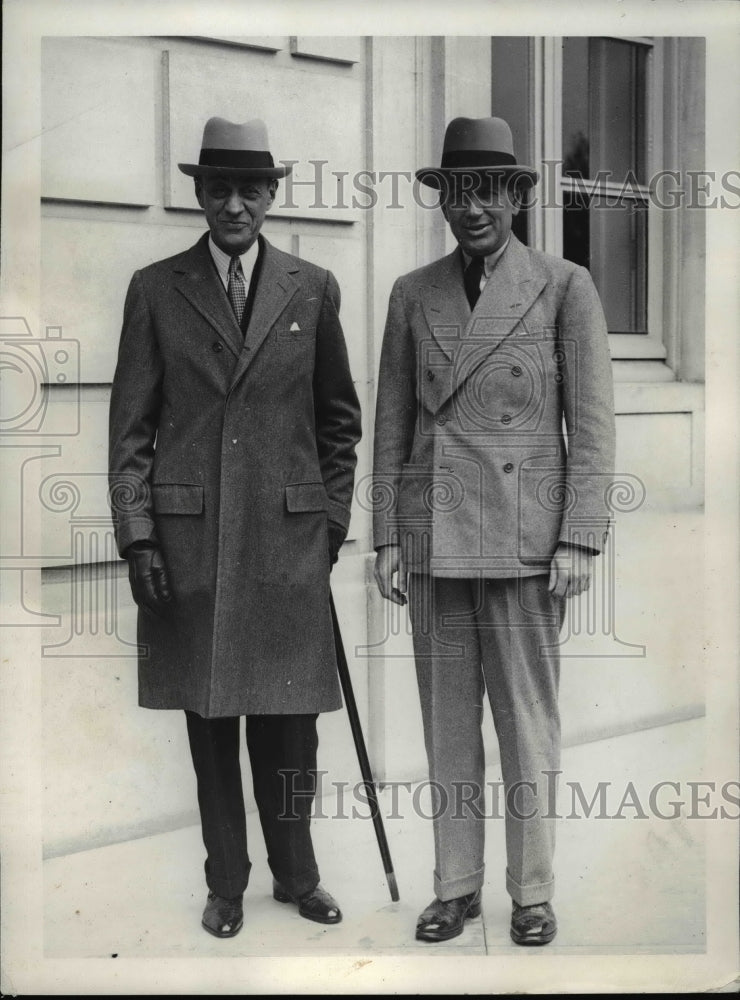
[236, 291]
[471, 278]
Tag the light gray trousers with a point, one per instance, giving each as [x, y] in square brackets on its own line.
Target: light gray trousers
[498, 635]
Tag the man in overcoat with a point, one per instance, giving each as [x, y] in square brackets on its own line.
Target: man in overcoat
[494, 448]
[233, 426]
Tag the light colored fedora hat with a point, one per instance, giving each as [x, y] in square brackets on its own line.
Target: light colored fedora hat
[236, 149]
[477, 145]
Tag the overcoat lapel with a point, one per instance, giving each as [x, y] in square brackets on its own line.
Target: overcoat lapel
[507, 296]
[198, 281]
[275, 289]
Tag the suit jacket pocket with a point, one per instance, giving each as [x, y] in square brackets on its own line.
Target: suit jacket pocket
[177, 498]
[294, 331]
[306, 497]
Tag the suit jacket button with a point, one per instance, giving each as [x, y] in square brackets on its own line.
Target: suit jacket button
[506, 419]
[430, 376]
[441, 420]
[217, 346]
[508, 467]
[516, 370]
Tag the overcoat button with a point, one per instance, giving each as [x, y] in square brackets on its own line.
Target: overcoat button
[430, 376]
[516, 370]
[508, 467]
[217, 346]
[506, 419]
[558, 378]
[441, 420]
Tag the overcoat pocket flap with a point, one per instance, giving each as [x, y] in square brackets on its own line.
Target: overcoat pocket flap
[306, 497]
[177, 498]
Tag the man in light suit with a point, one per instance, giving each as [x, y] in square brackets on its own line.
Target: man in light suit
[233, 426]
[490, 512]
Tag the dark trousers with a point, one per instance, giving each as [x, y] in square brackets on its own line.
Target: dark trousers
[282, 753]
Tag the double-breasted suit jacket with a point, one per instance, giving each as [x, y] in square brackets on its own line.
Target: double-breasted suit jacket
[494, 435]
[231, 451]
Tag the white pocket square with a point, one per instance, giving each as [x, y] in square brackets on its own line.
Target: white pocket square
[294, 328]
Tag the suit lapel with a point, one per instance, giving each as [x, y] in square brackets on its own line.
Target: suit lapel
[445, 305]
[275, 289]
[507, 296]
[198, 281]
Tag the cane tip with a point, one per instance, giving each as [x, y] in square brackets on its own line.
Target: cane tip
[392, 886]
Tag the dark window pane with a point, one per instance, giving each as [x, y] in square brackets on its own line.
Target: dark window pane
[604, 108]
[511, 100]
[611, 241]
[575, 107]
[576, 238]
[617, 89]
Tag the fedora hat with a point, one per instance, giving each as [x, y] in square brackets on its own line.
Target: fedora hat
[235, 149]
[477, 145]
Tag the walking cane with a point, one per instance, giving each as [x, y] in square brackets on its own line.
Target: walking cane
[367, 774]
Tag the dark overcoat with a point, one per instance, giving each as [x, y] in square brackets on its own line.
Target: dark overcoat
[232, 452]
[494, 431]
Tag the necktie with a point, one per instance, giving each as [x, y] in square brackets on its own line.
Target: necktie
[236, 291]
[471, 278]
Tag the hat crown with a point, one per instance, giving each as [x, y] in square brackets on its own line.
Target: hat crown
[481, 135]
[240, 148]
[219, 133]
[476, 145]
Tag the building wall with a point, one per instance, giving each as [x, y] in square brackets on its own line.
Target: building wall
[112, 201]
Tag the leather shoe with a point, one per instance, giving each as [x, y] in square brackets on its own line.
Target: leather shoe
[316, 904]
[223, 917]
[445, 919]
[533, 924]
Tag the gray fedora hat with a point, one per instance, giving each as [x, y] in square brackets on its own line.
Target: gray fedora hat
[477, 145]
[228, 147]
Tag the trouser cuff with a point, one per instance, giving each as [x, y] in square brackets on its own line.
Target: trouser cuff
[462, 886]
[529, 895]
[298, 885]
[227, 887]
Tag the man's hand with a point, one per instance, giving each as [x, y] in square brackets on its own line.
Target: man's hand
[148, 578]
[570, 571]
[387, 564]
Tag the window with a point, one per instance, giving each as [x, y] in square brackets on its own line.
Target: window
[601, 118]
[604, 172]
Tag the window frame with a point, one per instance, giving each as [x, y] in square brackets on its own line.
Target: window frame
[547, 214]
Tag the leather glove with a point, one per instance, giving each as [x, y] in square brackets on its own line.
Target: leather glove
[337, 534]
[148, 578]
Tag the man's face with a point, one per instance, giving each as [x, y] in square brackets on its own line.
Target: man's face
[235, 209]
[479, 209]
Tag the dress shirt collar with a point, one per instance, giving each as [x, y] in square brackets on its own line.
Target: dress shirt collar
[490, 261]
[222, 260]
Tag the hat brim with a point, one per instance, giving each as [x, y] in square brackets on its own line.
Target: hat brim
[197, 170]
[433, 176]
